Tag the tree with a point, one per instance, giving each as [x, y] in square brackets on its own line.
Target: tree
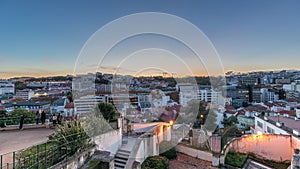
[174, 96]
[96, 125]
[200, 114]
[107, 110]
[2, 113]
[156, 162]
[227, 122]
[20, 86]
[14, 118]
[196, 107]
[70, 96]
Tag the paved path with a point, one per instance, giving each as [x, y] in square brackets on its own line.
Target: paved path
[19, 139]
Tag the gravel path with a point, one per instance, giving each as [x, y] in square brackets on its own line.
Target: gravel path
[187, 162]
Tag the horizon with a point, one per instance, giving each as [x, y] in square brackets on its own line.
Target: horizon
[154, 75]
[45, 39]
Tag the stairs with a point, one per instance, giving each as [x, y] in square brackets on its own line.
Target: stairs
[121, 158]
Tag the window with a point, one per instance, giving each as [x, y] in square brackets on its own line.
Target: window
[259, 124]
[270, 130]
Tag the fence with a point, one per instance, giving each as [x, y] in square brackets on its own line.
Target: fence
[10, 121]
[46, 154]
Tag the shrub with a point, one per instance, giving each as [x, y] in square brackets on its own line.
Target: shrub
[235, 159]
[156, 162]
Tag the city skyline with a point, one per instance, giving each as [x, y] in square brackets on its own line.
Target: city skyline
[44, 39]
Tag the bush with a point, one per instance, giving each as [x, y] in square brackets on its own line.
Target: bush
[235, 159]
[156, 162]
[71, 138]
[167, 149]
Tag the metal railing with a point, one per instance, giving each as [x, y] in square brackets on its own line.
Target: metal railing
[10, 121]
[46, 154]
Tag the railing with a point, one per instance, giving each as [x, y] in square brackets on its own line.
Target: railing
[46, 154]
[10, 121]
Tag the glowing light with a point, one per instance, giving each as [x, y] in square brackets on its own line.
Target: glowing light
[259, 133]
[201, 116]
[171, 122]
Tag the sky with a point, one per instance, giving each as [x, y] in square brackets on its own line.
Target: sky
[42, 38]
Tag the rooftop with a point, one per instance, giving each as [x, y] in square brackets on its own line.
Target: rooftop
[288, 122]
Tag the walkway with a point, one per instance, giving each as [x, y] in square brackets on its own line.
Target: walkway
[129, 143]
[19, 139]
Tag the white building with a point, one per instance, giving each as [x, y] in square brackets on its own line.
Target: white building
[69, 110]
[209, 95]
[84, 84]
[291, 87]
[87, 104]
[25, 94]
[58, 105]
[187, 92]
[268, 95]
[7, 88]
[277, 125]
[190, 92]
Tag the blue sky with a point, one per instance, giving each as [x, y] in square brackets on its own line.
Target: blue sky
[39, 38]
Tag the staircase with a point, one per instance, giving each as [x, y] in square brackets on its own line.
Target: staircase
[121, 158]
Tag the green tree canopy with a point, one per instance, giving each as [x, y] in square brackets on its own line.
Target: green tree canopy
[107, 110]
[20, 86]
[155, 162]
[70, 96]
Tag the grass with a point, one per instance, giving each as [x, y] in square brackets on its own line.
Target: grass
[238, 160]
[235, 159]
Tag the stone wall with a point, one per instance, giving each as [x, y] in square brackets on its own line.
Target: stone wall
[110, 141]
[203, 155]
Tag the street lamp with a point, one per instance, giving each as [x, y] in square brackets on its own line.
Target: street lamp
[171, 122]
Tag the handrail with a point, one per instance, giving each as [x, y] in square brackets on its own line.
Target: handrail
[134, 151]
[46, 153]
[9, 121]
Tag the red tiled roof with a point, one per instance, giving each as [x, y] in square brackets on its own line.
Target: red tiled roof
[269, 104]
[230, 112]
[228, 107]
[288, 122]
[69, 106]
[291, 113]
[280, 104]
[241, 112]
[291, 100]
[1, 108]
[250, 108]
[258, 108]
